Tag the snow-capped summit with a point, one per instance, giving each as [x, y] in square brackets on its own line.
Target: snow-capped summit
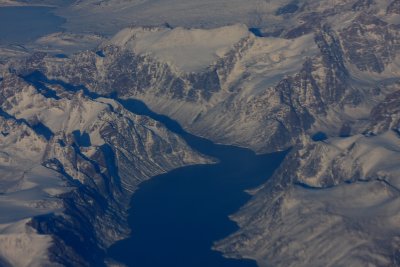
[190, 50]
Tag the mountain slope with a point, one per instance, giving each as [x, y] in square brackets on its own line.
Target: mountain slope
[340, 195]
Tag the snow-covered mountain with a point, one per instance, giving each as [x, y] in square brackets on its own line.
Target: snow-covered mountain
[319, 77]
[234, 87]
[69, 164]
[332, 203]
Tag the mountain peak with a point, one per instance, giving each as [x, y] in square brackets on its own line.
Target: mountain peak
[187, 49]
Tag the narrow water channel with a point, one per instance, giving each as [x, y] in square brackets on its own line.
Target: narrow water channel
[176, 217]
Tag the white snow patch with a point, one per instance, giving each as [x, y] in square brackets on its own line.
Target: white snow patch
[21, 246]
[64, 42]
[270, 59]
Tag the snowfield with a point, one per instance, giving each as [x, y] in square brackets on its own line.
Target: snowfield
[20, 245]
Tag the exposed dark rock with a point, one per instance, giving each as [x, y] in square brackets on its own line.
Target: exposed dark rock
[287, 9]
[393, 7]
[362, 5]
[370, 43]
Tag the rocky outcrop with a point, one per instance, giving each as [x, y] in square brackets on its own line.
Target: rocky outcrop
[393, 7]
[385, 116]
[370, 43]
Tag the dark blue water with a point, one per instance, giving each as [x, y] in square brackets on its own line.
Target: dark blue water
[19, 25]
[176, 217]
[257, 32]
[319, 136]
